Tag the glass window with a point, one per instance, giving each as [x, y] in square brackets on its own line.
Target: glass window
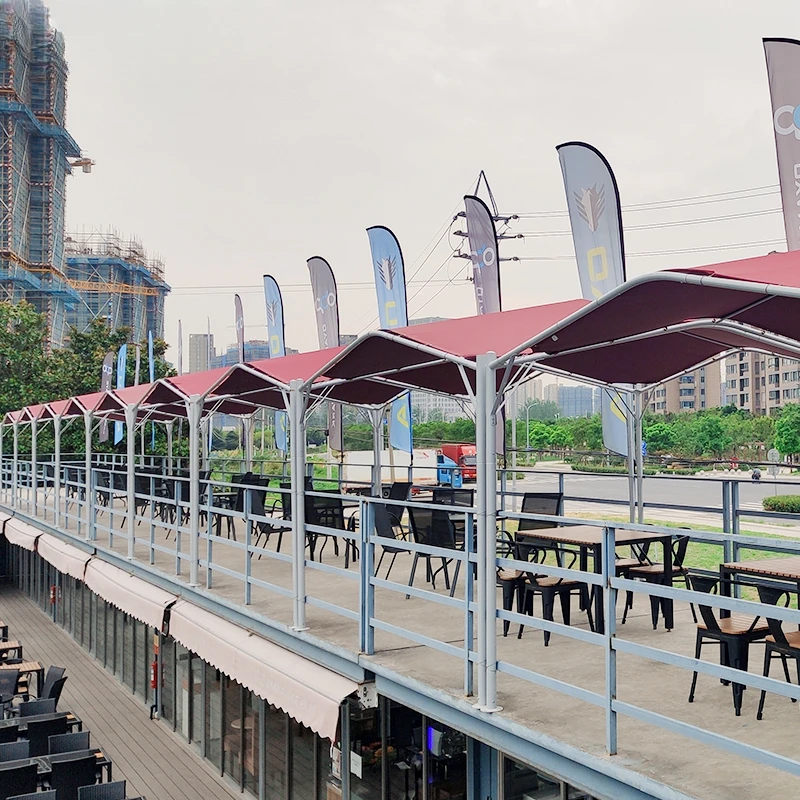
[196, 724]
[252, 741]
[446, 753]
[233, 725]
[168, 679]
[213, 705]
[182, 690]
[276, 756]
[404, 750]
[141, 664]
[302, 755]
[127, 649]
[366, 753]
[521, 782]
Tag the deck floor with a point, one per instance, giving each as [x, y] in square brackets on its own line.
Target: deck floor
[150, 757]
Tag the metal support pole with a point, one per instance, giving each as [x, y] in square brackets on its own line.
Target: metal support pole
[631, 464]
[193, 407]
[514, 451]
[377, 448]
[57, 471]
[484, 454]
[2, 465]
[15, 466]
[130, 441]
[170, 445]
[204, 437]
[141, 445]
[610, 598]
[298, 460]
[490, 533]
[250, 422]
[639, 412]
[34, 470]
[88, 499]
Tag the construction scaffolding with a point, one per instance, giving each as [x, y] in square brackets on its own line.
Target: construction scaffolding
[35, 149]
[114, 278]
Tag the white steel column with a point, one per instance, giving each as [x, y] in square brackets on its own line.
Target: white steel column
[15, 466]
[630, 426]
[2, 463]
[169, 426]
[376, 415]
[57, 470]
[250, 423]
[34, 458]
[193, 406]
[298, 458]
[204, 436]
[88, 499]
[130, 441]
[484, 453]
[490, 553]
[639, 413]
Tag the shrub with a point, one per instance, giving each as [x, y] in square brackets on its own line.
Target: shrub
[620, 470]
[785, 503]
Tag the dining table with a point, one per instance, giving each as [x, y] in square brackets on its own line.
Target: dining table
[11, 649]
[28, 667]
[589, 540]
[784, 570]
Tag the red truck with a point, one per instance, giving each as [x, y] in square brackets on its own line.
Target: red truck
[466, 456]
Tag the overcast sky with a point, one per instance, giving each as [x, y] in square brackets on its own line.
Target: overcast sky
[239, 138]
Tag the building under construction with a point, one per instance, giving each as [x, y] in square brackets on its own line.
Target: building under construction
[36, 155]
[115, 279]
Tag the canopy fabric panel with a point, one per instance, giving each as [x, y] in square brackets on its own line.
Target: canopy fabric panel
[134, 596]
[64, 557]
[21, 534]
[309, 693]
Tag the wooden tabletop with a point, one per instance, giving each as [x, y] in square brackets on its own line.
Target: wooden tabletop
[12, 645]
[772, 567]
[590, 535]
[25, 666]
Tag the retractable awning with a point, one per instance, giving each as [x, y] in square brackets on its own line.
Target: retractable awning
[64, 557]
[309, 693]
[21, 534]
[134, 596]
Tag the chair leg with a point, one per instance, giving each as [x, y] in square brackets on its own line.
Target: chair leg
[565, 597]
[380, 561]
[508, 588]
[548, 601]
[628, 604]
[655, 602]
[763, 696]
[391, 564]
[698, 646]
[525, 607]
[413, 570]
[455, 578]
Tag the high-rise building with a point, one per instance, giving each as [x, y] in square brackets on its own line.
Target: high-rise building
[254, 350]
[550, 393]
[529, 391]
[695, 391]
[761, 384]
[576, 401]
[37, 155]
[115, 279]
[201, 351]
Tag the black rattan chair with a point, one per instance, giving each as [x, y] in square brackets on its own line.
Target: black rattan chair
[11, 751]
[34, 707]
[69, 742]
[18, 780]
[50, 794]
[70, 775]
[115, 790]
[434, 528]
[40, 731]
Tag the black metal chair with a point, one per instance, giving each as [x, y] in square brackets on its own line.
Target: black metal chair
[779, 643]
[115, 790]
[34, 707]
[454, 497]
[434, 528]
[263, 529]
[9, 678]
[385, 523]
[53, 675]
[18, 780]
[549, 587]
[546, 503]
[69, 742]
[69, 775]
[654, 573]
[40, 731]
[733, 634]
[11, 751]
[9, 733]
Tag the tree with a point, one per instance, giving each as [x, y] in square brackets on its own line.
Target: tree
[560, 437]
[23, 371]
[710, 436]
[787, 430]
[541, 410]
[660, 437]
[539, 434]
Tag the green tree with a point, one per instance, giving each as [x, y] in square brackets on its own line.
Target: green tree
[23, 361]
[560, 437]
[787, 430]
[710, 437]
[539, 434]
[540, 410]
[660, 436]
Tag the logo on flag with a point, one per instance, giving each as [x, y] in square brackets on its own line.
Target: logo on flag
[790, 114]
[387, 269]
[591, 203]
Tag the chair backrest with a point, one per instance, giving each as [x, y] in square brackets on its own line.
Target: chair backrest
[550, 503]
[8, 680]
[10, 751]
[9, 733]
[399, 490]
[329, 511]
[240, 479]
[69, 775]
[50, 794]
[432, 527]
[40, 731]
[286, 499]
[708, 585]
[383, 522]
[69, 742]
[34, 707]
[771, 596]
[115, 790]
[679, 546]
[18, 780]
[53, 674]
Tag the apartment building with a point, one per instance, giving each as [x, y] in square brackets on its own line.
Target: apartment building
[694, 391]
[761, 384]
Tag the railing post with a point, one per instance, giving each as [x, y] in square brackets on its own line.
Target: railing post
[727, 547]
[130, 440]
[193, 414]
[88, 489]
[482, 466]
[57, 471]
[366, 516]
[610, 600]
[734, 548]
[298, 458]
[469, 591]
[248, 534]
[91, 523]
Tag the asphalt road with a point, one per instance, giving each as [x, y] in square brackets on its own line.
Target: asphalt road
[693, 491]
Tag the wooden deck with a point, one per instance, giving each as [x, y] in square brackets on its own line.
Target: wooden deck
[153, 760]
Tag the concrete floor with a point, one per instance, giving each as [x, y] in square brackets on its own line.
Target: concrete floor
[698, 770]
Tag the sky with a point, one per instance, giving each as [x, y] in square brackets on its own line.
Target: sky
[238, 139]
